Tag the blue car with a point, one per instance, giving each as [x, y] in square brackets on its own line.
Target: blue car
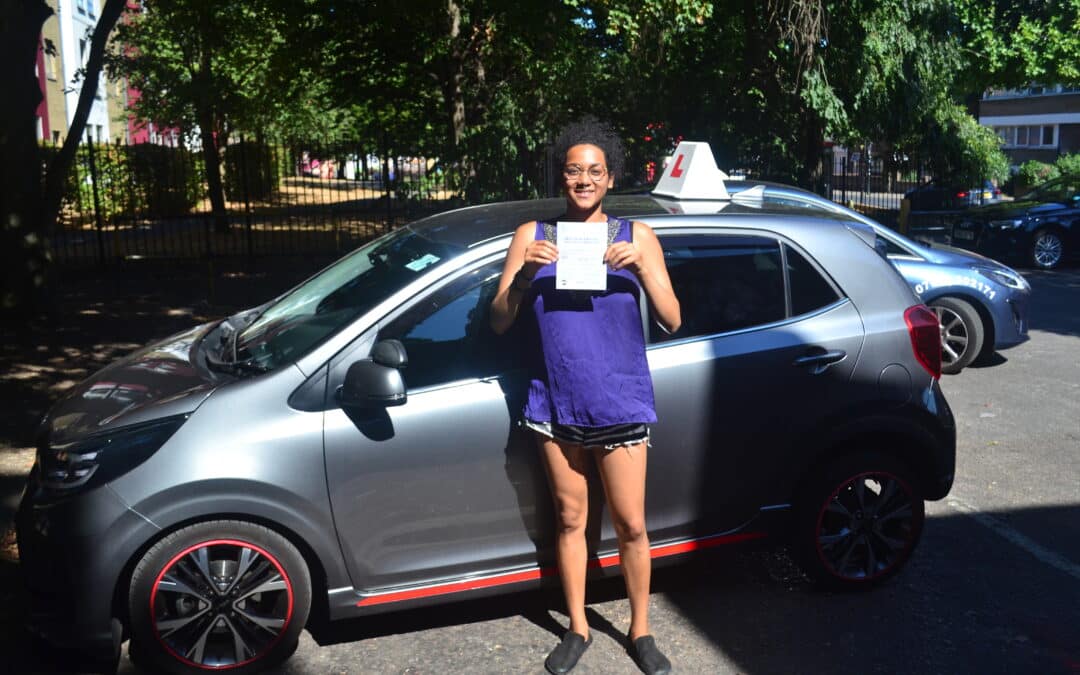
[981, 303]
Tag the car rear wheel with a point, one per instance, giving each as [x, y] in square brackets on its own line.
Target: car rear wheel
[858, 521]
[1047, 249]
[220, 595]
[962, 333]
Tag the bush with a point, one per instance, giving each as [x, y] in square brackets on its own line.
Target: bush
[257, 162]
[127, 181]
[1068, 165]
[1033, 173]
[170, 180]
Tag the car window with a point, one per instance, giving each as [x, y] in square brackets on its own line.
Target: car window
[809, 290]
[723, 283]
[329, 301]
[447, 336]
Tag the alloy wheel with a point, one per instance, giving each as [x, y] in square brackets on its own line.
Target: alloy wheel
[954, 334]
[221, 604]
[1047, 249]
[867, 526]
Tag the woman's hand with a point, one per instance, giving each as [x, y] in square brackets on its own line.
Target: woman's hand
[624, 255]
[525, 256]
[538, 253]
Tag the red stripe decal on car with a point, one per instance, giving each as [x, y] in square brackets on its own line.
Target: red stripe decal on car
[612, 560]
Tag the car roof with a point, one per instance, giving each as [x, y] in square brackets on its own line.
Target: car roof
[473, 225]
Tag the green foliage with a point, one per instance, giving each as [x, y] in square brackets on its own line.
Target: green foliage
[1032, 173]
[966, 151]
[1068, 165]
[168, 180]
[125, 181]
[484, 85]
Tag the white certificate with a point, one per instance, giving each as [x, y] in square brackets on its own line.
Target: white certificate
[581, 256]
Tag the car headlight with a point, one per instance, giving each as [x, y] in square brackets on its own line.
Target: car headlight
[1010, 224]
[94, 460]
[1005, 277]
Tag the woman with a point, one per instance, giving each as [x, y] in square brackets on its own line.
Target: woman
[592, 398]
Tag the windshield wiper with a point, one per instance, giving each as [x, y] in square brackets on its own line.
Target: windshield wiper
[247, 366]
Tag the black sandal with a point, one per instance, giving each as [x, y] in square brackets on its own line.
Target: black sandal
[565, 656]
[648, 656]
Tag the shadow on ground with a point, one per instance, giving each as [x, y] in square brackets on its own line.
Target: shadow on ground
[968, 602]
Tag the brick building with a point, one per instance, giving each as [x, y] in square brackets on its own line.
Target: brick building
[1037, 122]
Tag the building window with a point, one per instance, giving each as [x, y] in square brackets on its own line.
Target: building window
[82, 52]
[81, 6]
[90, 8]
[1028, 136]
[50, 60]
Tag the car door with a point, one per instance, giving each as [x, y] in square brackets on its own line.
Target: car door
[446, 484]
[766, 348]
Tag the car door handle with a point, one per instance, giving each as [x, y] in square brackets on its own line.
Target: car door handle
[821, 360]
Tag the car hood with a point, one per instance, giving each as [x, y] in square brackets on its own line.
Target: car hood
[158, 380]
[950, 255]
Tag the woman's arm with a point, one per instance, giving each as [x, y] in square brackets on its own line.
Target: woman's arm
[644, 257]
[524, 258]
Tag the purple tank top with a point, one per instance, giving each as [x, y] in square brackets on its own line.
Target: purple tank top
[594, 372]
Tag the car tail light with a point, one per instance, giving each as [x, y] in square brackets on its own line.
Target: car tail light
[961, 195]
[925, 332]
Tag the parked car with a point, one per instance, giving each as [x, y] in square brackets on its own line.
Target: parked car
[350, 447]
[981, 303]
[1040, 228]
[937, 195]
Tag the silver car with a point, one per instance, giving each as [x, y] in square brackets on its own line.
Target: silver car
[353, 446]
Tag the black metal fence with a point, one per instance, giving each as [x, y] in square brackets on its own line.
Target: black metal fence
[322, 198]
[149, 201]
[877, 183]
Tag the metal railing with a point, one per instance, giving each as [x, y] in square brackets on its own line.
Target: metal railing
[151, 201]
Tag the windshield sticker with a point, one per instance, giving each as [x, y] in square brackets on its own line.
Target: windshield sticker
[420, 263]
[971, 283]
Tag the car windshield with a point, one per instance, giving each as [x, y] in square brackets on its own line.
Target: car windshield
[1061, 190]
[329, 301]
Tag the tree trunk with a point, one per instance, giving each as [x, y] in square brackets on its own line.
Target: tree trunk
[61, 164]
[212, 161]
[22, 249]
[208, 130]
[813, 142]
[454, 78]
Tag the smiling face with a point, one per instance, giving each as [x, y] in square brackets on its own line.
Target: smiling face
[586, 190]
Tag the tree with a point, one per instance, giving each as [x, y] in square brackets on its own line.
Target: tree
[27, 209]
[218, 68]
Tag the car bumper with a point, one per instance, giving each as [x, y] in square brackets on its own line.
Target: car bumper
[1011, 320]
[71, 553]
[942, 461]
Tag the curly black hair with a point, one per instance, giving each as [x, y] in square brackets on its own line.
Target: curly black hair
[590, 130]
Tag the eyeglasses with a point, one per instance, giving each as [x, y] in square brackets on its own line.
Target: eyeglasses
[596, 172]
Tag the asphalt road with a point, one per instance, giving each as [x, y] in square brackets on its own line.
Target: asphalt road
[993, 588]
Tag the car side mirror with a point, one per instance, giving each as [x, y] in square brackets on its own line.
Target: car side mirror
[371, 384]
[390, 353]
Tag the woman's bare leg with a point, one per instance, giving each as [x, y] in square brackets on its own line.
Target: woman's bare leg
[623, 473]
[566, 467]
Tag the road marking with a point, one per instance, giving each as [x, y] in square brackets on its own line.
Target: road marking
[1039, 551]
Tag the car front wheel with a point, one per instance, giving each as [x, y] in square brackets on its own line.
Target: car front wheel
[962, 333]
[1047, 249]
[858, 521]
[221, 595]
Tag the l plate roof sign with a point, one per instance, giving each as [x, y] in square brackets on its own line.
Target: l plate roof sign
[692, 174]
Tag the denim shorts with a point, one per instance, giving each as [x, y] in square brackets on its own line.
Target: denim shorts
[614, 436]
